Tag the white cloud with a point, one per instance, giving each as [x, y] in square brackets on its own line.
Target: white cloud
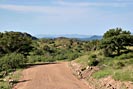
[23, 8]
[50, 10]
[60, 7]
[65, 11]
[125, 0]
[94, 4]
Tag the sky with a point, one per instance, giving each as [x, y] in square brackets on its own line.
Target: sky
[86, 17]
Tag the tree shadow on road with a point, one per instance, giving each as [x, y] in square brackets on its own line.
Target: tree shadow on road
[20, 81]
[15, 82]
[29, 65]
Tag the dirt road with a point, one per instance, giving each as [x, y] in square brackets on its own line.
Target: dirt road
[51, 76]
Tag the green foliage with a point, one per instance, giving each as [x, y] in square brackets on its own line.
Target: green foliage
[115, 40]
[93, 60]
[119, 67]
[15, 76]
[115, 32]
[93, 56]
[124, 75]
[15, 42]
[43, 50]
[102, 73]
[83, 60]
[11, 61]
[117, 62]
[72, 56]
[125, 56]
[107, 52]
[4, 85]
[59, 48]
[39, 58]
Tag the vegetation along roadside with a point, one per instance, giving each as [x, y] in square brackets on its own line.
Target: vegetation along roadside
[113, 55]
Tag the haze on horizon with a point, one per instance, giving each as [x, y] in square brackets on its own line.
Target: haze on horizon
[86, 17]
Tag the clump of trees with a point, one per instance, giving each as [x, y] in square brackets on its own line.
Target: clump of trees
[115, 41]
[14, 47]
[15, 42]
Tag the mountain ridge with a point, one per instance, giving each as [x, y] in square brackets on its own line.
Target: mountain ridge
[77, 36]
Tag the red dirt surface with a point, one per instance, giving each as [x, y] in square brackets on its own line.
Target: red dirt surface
[50, 76]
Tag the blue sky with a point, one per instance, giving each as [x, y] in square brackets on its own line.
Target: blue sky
[88, 17]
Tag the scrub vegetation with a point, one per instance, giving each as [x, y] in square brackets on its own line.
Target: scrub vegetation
[113, 54]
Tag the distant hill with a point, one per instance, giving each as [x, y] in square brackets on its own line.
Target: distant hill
[77, 36]
[94, 37]
[29, 35]
[63, 35]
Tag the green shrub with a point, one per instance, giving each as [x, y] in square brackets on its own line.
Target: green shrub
[83, 60]
[93, 62]
[72, 56]
[118, 64]
[102, 73]
[39, 58]
[93, 56]
[107, 52]
[125, 56]
[12, 61]
[4, 85]
[33, 59]
[60, 57]
[126, 75]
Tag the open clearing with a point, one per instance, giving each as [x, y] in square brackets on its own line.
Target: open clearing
[50, 76]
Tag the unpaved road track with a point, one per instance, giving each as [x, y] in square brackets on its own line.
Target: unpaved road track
[51, 76]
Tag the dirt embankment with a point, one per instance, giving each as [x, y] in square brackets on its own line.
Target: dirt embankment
[104, 83]
[51, 76]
